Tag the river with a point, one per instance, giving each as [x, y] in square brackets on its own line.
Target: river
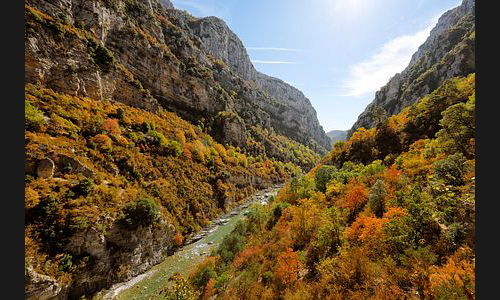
[184, 260]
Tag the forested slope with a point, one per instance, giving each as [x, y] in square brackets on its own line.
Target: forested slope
[388, 214]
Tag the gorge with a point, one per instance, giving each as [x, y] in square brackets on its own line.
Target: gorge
[148, 133]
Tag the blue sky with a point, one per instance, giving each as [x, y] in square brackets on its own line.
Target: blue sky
[337, 52]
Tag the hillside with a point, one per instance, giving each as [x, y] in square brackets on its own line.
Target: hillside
[358, 227]
[449, 51]
[110, 189]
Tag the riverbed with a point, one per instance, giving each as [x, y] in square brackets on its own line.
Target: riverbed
[184, 260]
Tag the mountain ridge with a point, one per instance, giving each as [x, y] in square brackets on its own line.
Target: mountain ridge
[336, 135]
[448, 51]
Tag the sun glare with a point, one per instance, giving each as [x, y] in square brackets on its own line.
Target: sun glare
[350, 10]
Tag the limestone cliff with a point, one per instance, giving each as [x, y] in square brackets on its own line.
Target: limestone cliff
[147, 54]
[449, 51]
[294, 116]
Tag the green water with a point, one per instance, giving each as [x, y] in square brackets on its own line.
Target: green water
[183, 261]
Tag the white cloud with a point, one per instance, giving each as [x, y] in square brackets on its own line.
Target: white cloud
[274, 62]
[275, 49]
[370, 75]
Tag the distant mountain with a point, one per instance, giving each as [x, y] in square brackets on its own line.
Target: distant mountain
[449, 51]
[336, 135]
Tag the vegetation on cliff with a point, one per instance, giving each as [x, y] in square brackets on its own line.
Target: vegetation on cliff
[114, 165]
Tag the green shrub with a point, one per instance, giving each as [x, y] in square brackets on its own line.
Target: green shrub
[267, 278]
[459, 127]
[323, 176]
[173, 148]
[66, 264]
[256, 217]
[376, 200]
[158, 138]
[222, 280]
[120, 113]
[144, 212]
[375, 167]
[455, 235]
[84, 187]
[133, 136]
[101, 55]
[33, 117]
[233, 243]
[301, 187]
[145, 127]
[451, 169]
[277, 210]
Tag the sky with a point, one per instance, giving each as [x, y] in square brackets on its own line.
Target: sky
[337, 52]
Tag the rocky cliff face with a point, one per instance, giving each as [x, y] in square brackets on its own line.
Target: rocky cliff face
[222, 43]
[131, 252]
[449, 51]
[147, 54]
[294, 116]
[300, 119]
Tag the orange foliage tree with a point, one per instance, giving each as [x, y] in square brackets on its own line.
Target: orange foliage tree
[288, 267]
[111, 126]
[356, 198]
[246, 256]
[178, 239]
[456, 279]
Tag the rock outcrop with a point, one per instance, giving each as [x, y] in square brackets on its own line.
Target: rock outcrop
[222, 43]
[59, 163]
[131, 252]
[149, 55]
[42, 287]
[68, 164]
[300, 118]
[167, 4]
[449, 51]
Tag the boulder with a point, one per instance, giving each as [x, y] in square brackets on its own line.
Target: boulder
[45, 168]
[66, 163]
